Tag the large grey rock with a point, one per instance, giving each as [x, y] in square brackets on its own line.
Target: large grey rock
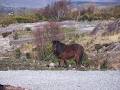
[108, 27]
[108, 54]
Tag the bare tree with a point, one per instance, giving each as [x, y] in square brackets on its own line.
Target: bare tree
[43, 35]
[57, 10]
[91, 8]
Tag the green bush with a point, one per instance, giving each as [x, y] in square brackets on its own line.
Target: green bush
[71, 62]
[6, 21]
[84, 17]
[18, 53]
[40, 17]
[26, 19]
[46, 54]
[20, 19]
[86, 61]
[104, 65]
[28, 56]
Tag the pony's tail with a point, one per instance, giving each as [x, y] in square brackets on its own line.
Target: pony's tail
[82, 58]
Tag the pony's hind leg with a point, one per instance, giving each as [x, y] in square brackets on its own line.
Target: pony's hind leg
[77, 61]
[66, 65]
[61, 63]
[77, 64]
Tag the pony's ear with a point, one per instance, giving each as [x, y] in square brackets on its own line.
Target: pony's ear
[55, 41]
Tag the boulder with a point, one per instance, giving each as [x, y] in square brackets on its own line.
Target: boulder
[107, 55]
[52, 65]
[105, 28]
[9, 87]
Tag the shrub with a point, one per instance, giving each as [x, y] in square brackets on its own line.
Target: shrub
[6, 21]
[28, 56]
[104, 65]
[18, 53]
[28, 29]
[84, 17]
[40, 17]
[71, 62]
[86, 61]
[26, 19]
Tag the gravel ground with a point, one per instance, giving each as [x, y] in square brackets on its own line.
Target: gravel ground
[62, 80]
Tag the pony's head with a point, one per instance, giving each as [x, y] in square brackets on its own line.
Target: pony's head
[55, 43]
[58, 47]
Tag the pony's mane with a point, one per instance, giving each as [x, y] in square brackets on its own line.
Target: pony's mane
[62, 44]
[59, 47]
[58, 42]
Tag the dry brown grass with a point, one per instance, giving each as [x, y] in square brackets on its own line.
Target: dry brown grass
[88, 41]
[101, 59]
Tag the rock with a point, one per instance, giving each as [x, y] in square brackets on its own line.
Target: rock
[9, 87]
[110, 60]
[70, 66]
[5, 45]
[2, 87]
[52, 65]
[109, 47]
[73, 68]
[114, 66]
[6, 34]
[114, 26]
[113, 47]
[105, 28]
[108, 56]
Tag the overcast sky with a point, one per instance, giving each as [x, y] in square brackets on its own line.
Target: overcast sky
[40, 3]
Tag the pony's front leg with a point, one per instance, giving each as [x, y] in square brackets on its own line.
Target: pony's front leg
[62, 63]
[65, 62]
[59, 65]
[78, 65]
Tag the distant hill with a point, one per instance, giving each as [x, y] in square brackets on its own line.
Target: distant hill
[6, 10]
[98, 3]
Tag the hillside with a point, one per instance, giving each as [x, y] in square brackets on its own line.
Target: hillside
[62, 80]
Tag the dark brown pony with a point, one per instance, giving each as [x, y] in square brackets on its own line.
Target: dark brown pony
[65, 52]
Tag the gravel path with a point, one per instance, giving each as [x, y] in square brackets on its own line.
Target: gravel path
[62, 80]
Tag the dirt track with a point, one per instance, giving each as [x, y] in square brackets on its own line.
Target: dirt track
[62, 80]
